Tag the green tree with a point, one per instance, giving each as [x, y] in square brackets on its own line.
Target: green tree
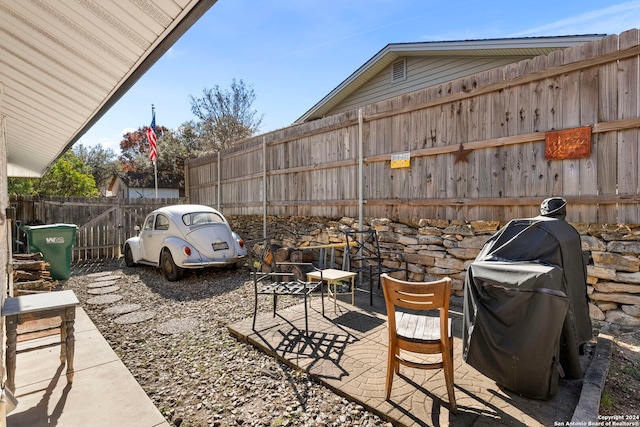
[134, 144]
[174, 148]
[69, 176]
[190, 135]
[172, 154]
[103, 164]
[226, 116]
[23, 186]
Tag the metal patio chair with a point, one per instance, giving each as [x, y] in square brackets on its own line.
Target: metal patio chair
[364, 256]
[280, 278]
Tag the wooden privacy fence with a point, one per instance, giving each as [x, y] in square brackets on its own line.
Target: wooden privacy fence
[476, 148]
[103, 223]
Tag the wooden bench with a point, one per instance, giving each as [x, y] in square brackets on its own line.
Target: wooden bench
[18, 310]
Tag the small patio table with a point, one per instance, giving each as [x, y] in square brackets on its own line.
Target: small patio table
[334, 277]
[18, 310]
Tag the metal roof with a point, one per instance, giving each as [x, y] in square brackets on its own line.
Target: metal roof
[518, 48]
[64, 63]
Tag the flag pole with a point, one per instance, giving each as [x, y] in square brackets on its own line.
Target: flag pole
[151, 134]
[155, 173]
[155, 162]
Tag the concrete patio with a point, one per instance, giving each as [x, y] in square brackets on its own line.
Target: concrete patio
[103, 392]
[346, 351]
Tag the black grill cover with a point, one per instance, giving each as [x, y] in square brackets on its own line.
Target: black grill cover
[525, 306]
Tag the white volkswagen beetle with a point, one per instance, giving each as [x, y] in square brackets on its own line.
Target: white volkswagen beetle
[178, 237]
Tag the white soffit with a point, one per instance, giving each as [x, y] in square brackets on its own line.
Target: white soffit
[64, 63]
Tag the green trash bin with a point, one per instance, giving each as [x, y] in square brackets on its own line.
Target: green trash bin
[55, 241]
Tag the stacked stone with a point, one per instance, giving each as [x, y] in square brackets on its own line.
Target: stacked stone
[438, 248]
[613, 272]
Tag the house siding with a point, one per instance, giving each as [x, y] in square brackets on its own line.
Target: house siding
[150, 193]
[421, 73]
[120, 189]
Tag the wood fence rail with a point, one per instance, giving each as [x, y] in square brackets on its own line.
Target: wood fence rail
[476, 147]
[103, 223]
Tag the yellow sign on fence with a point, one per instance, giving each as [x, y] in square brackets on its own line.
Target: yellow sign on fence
[401, 160]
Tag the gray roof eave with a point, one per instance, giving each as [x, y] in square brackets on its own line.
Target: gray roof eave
[516, 47]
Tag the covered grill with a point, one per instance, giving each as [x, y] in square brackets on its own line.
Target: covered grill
[526, 311]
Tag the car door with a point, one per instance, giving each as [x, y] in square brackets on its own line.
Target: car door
[154, 235]
[146, 236]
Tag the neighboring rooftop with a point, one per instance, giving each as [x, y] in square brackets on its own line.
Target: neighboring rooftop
[491, 52]
[147, 180]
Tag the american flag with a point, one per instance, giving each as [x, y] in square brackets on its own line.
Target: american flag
[151, 136]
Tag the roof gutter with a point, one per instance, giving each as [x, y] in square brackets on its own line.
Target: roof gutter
[185, 23]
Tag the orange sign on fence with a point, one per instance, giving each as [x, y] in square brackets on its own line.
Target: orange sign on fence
[568, 143]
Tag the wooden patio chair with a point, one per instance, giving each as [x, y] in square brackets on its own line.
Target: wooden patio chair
[412, 331]
[363, 256]
[280, 278]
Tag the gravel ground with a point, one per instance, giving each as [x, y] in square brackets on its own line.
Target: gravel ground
[173, 338]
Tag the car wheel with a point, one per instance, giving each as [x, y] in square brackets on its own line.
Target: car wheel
[128, 257]
[171, 271]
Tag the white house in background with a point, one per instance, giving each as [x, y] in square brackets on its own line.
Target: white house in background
[400, 68]
[136, 185]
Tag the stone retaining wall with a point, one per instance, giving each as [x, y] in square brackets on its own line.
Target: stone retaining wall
[437, 248]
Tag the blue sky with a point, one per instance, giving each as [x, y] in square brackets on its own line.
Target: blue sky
[294, 52]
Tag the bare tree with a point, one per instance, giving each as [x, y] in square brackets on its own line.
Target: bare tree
[227, 115]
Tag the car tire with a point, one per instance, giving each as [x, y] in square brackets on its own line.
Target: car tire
[128, 257]
[171, 271]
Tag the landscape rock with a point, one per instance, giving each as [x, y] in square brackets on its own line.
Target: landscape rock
[622, 318]
[193, 369]
[631, 310]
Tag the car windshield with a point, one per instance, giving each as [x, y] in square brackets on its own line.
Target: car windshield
[201, 218]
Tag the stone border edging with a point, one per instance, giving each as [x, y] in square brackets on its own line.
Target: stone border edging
[104, 299]
[101, 284]
[135, 317]
[122, 309]
[594, 378]
[103, 290]
[107, 277]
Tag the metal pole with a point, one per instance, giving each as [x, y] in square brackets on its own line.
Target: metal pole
[155, 163]
[360, 171]
[219, 192]
[187, 193]
[155, 170]
[264, 186]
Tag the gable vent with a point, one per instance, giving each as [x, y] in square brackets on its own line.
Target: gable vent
[399, 71]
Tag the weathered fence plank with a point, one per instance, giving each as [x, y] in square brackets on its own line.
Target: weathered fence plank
[501, 116]
[103, 223]
[628, 139]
